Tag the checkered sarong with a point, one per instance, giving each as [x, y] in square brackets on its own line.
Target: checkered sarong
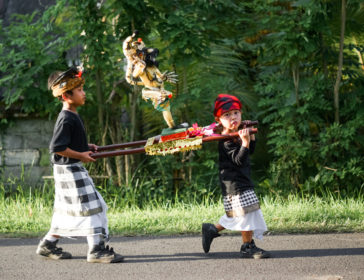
[79, 210]
[75, 191]
[241, 204]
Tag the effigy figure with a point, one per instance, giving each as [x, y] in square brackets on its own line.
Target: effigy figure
[142, 69]
[131, 49]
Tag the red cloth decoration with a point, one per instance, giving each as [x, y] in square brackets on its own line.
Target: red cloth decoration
[175, 136]
[225, 103]
[79, 74]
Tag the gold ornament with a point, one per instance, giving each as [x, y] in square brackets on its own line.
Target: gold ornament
[174, 146]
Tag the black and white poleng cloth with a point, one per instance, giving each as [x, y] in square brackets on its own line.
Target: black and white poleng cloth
[79, 209]
[241, 204]
[75, 191]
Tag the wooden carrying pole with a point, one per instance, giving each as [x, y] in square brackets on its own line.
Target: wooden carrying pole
[101, 154]
[156, 140]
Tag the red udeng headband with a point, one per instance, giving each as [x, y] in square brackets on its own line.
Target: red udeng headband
[225, 103]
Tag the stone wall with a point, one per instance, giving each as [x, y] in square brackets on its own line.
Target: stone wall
[10, 7]
[24, 150]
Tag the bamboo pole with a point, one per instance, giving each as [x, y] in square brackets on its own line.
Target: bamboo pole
[126, 145]
[156, 140]
[143, 142]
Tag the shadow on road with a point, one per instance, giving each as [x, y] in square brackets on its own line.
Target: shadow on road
[235, 255]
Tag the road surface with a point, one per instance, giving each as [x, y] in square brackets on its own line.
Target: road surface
[319, 256]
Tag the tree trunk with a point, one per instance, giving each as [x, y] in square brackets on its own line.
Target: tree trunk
[130, 160]
[126, 161]
[178, 174]
[340, 64]
[103, 127]
[133, 121]
[130, 133]
[323, 54]
[107, 162]
[115, 136]
[296, 80]
[119, 160]
[100, 102]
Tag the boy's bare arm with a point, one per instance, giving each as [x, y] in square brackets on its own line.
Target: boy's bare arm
[82, 156]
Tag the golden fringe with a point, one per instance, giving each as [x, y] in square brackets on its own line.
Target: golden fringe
[171, 147]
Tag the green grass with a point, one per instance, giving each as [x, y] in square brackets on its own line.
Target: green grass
[314, 215]
[29, 215]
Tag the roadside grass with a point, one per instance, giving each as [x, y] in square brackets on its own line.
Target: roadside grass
[28, 214]
[282, 215]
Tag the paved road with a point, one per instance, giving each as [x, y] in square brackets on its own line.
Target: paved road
[321, 257]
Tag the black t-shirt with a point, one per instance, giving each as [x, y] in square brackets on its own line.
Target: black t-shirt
[234, 166]
[69, 132]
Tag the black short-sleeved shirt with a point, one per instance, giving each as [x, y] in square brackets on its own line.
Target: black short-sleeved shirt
[234, 166]
[69, 132]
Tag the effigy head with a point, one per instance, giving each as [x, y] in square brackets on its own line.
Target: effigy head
[149, 55]
[138, 44]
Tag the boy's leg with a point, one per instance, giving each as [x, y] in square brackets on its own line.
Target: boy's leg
[247, 236]
[99, 253]
[47, 247]
[93, 240]
[249, 249]
[219, 227]
[209, 232]
[51, 237]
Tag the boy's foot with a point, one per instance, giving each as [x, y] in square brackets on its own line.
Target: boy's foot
[49, 249]
[209, 232]
[249, 250]
[103, 254]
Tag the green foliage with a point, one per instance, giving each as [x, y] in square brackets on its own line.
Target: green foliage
[280, 58]
[154, 182]
[29, 53]
[190, 27]
[310, 152]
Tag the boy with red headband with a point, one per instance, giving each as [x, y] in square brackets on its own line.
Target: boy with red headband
[240, 201]
[79, 209]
